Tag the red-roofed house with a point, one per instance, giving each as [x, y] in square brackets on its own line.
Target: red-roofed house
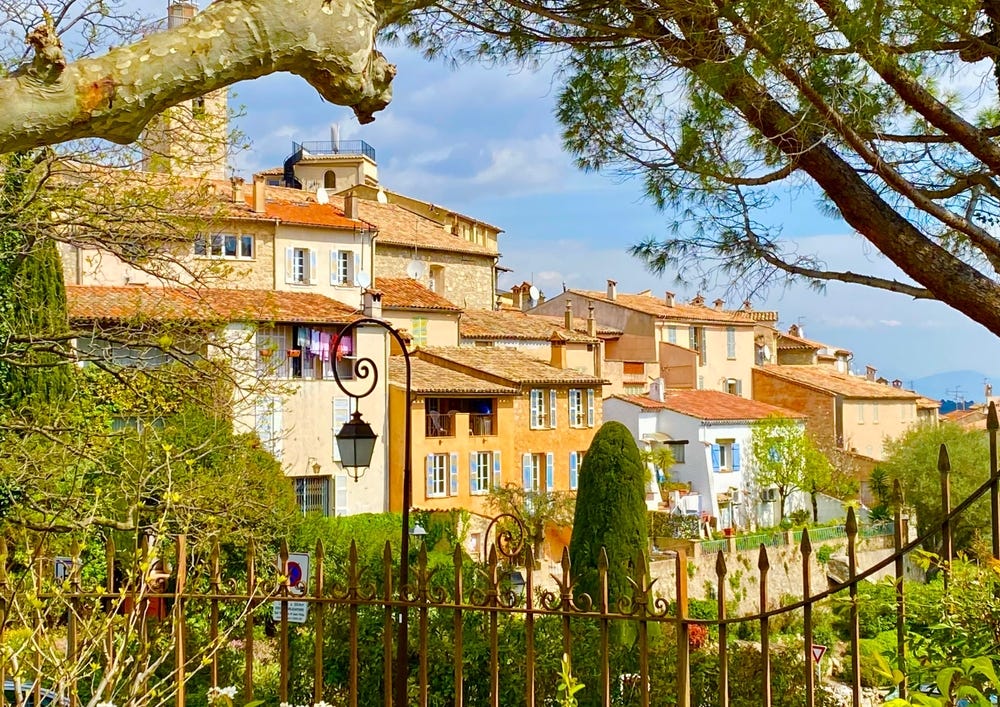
[709, 433]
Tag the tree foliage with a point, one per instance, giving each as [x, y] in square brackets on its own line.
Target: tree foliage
[534, 510]
[610, 513]
[721, 109]
[783, 456]
[913, 460]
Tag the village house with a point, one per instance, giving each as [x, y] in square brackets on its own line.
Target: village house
[687, 345]
[708, 432]
[426, 317]
[483, 416]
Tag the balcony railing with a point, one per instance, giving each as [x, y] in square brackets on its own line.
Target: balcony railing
[439, 425]
[482, 424]
[341, 147]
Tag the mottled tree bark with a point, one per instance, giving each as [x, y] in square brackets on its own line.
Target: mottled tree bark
[330, 43]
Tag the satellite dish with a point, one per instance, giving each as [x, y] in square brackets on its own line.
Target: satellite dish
[415, 269]
[533, 293]
[321, 196]
[380, 197]
[364, 279]
[767, 352]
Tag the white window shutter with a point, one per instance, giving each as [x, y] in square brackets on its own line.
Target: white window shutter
[573, 473]
[430, 475]
[454, 473]
[550, 472]
[526, 472]
[356, 270]
[496, 470]
[334, 262]
[340, 495]
[590, 407]
[313, 270]
[552, 408]
[289, 265]
[473, 476]
[341, 414]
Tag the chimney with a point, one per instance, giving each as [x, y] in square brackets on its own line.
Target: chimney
[557, 351]
[870, 372]
[259, 196]
[351, 206]
[612, 290]
[698, 300]
[568, 315]
[669, 299]
[794, 330]
[718, 303]
[372, 303]
[746, 306]
[179, 12]
[591, 322]
[656, 390]
[238, 197]
[898, 384]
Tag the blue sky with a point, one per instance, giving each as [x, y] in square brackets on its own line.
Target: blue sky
[483, 141]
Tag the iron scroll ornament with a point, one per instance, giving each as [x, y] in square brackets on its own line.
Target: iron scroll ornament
[363, 367]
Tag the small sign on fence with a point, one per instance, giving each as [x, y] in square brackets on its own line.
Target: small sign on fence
[298, 584]
[818, 652]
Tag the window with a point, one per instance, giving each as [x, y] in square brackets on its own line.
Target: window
[224, 245]
[484, 468]
[677, 449]
[436, 281]
[634, 368]
[542, 409]
[313, 494]
[575, 461]
[268, 424]
[861, 413]
[672, 334]
[330, 179]
[576, 414]
[437, 475]
[344, 265]
[300, 266]
[536, 467]
[875, 413]
[734, 386]
[730, 342]
[725, 455]
[418, 329]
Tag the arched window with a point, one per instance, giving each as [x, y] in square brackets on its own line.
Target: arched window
[330, 180]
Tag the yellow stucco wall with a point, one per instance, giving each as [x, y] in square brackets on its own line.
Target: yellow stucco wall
[868, 423]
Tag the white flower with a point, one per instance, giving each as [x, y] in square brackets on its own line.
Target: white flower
[105, 704]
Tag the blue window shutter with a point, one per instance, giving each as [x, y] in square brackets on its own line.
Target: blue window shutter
[550, 471]
[716, 464]
[736, 457]
[313, 270]
[454, 473]
[572, 470]
[552, 408]
[526, 471]
[357, 268]
[334, 263]
[473, 477]
[430, 475]
[590, 407]
[497, 480]
[289, 264]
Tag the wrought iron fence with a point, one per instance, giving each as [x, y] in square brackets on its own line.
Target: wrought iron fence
[481, 637]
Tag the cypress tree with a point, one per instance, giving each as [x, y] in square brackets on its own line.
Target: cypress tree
[610, 512]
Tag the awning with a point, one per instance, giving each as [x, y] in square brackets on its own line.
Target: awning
[656, 437]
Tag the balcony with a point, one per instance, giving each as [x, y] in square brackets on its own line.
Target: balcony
[341, 147]
[482, 424]
[461, 417]
[439, 424]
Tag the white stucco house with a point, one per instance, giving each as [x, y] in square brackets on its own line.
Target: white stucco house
[708, 432]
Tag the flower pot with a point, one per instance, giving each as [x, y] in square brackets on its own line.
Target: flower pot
[294, 353]
[266, 353]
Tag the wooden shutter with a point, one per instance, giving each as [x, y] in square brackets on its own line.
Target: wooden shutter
[289, 265]
[573, 481]
[550, 472]
[526, 472]
[497, 479]
[716, 455]
[340, 495]
[357, 269]
[430, 475]
[473, 476]
[552, 408]
[590, 407]
[313, 270]
[736, 457]
[454, 473]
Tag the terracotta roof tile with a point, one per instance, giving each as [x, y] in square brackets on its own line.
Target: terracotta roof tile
[300, 208]
[710, 405]
[404, 293]
[788, 341]
[657, 307]
[828, 379]
[507, 365]
[427, 377]
[208, 304]
[515, 324]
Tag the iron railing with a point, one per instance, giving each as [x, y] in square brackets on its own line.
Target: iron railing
[341, 147]
[479, 640]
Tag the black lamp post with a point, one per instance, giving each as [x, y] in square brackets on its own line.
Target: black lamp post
[356, 443]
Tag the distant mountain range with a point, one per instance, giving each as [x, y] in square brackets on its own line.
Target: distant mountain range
[958, 386]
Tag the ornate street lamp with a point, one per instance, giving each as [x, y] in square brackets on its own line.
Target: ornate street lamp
[356, 443]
